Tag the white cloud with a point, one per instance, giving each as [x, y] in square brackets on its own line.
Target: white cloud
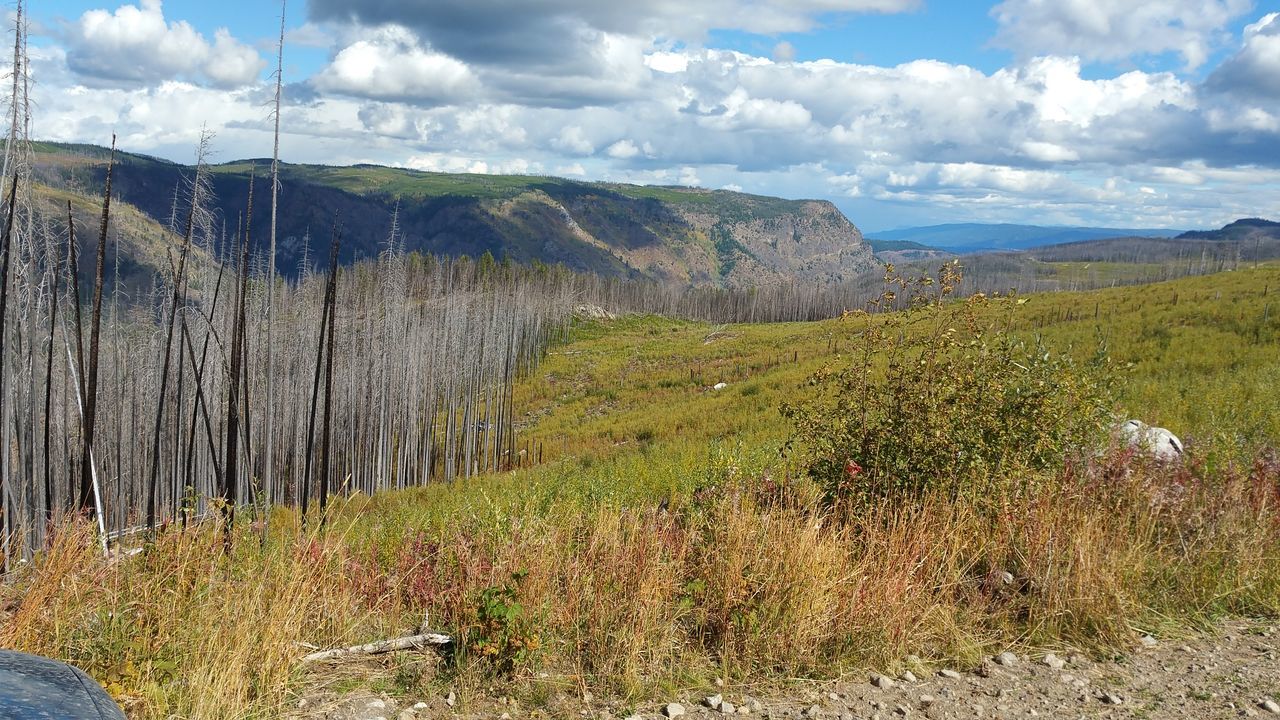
[1116, 29]
[995, 177]
[623, 150]
[135, 44]
[392, 66]
[573, 140]
[1048, 152]
[667, 62]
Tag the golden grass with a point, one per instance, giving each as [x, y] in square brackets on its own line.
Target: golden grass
[741, 582]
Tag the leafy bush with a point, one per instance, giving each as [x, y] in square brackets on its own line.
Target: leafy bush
[941, 396]
[501, 635]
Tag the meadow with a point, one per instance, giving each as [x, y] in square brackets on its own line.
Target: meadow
[663, 538]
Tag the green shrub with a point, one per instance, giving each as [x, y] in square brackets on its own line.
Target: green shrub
[501, 636]
[941, 397]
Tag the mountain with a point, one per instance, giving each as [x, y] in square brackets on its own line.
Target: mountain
[964, 238]
[675, 234]
[1245, 229]
[905, 251]
[140, 250]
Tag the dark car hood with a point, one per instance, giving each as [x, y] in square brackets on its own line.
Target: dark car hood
[37, 688]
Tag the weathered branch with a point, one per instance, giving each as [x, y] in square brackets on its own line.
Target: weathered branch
[409, 642]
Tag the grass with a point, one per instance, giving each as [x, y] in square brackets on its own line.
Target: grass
[664, 541]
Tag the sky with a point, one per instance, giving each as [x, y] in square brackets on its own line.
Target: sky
[1118, 113]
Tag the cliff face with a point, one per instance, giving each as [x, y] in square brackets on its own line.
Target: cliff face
[680, 235]
[810, 241]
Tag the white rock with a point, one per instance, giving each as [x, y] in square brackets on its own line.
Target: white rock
[726, 708]
[908, 676]
[1159, 442]
[451, 699]
[376, 704]
[719, 386]
[949, 674]
[420, 706]
[1148, 641]
[1270, 706]
[673, 710]
[1054, 661]
[1111, 699]
[883, 682]
[1006, 659]
[927, 700]
[712, 701]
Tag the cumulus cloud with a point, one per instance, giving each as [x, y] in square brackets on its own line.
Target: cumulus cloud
[573, 140]
[392, 66]
[1116, 29]
[623, 150]
[135, 44]
[1255, 68]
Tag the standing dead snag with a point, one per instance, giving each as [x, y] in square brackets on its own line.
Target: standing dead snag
[56, 270]
[85, 495]
[231, 479]
[269, 475]
[328, 380]
[5, 526]
[326, 321]
[178, 280]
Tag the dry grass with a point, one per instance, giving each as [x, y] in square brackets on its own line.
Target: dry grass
[740, 580]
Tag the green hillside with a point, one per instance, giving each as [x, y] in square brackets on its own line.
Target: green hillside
[683, 235]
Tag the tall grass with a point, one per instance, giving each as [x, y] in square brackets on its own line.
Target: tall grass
[743, 579]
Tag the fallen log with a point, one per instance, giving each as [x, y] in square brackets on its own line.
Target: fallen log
[409, 642]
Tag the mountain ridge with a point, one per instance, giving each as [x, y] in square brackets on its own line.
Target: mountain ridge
[965, 238]
[687, 236]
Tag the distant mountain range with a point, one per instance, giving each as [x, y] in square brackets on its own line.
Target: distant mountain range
[1240, 230]
[966, 238]
[686, 236]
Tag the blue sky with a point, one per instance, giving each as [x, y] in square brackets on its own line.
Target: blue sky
[1154, 113]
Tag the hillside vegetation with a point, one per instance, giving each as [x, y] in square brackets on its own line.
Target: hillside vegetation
[666, 538]
[673, 234]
